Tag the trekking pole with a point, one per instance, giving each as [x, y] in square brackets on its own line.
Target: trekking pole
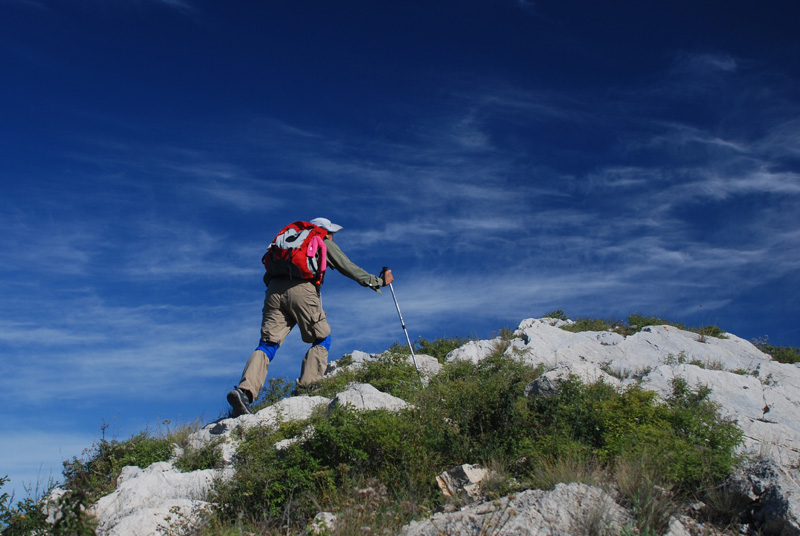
[403, 323]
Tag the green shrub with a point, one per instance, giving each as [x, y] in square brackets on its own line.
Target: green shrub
[709, 331]
[272, 488]
[695, 445]
[684, 435]
[391, 372]
[558, 314]
[390, 447]
[346, 360]
[594, 324]
[638, 321]
[73, 518]
[481, 404]
[27, 516]
[587, 324]
[277, 489]
[782, 354]
[96, 473]
[506, 334]
[209, 456]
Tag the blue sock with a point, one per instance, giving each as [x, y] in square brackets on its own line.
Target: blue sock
[268, 348]
[325, 343]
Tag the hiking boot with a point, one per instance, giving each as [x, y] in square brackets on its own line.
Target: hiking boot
[240, 402]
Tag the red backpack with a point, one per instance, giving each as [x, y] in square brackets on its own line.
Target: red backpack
[297, 252]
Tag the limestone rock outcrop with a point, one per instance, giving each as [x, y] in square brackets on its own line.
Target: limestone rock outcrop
[762, 395]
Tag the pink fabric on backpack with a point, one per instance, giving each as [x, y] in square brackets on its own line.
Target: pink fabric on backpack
[315, 244]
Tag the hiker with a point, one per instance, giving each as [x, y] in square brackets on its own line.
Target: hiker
[296, 262]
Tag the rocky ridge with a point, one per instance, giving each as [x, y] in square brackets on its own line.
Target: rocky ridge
[762, 395]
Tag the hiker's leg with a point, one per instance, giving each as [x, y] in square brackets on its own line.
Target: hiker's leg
[305, 304]
[255, 371]
[275, 326]
[314, 363]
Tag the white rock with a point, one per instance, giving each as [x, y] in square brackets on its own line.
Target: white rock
[147, 500]
[364, 396]
[362, 357]
[294, 408]
[562, 511]
[546, 343]
[51, 504]
[473, 351]
[548, 383]
[428, 365]
[357, 360]
[655, 345]
[775, 493]
[305, 435]
[463, 480]
[543, 341]
[324, 523]
[531, 322]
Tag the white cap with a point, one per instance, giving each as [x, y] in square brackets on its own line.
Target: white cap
[326, 224]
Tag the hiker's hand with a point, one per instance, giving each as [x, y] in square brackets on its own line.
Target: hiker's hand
[387, 277]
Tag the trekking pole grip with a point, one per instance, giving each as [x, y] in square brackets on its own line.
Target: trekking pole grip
[382, 275]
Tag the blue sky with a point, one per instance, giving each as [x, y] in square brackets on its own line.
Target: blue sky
[505, 157]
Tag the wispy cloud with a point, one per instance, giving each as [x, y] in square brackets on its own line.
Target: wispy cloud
[783, 139]
[46, 245]
[25, 332]
[713, 186]
[113, 350]
[177, 250]
[677, 135]
[702, 63]
[468, 134]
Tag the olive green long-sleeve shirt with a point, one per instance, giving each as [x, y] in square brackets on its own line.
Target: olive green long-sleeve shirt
[339, 262]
